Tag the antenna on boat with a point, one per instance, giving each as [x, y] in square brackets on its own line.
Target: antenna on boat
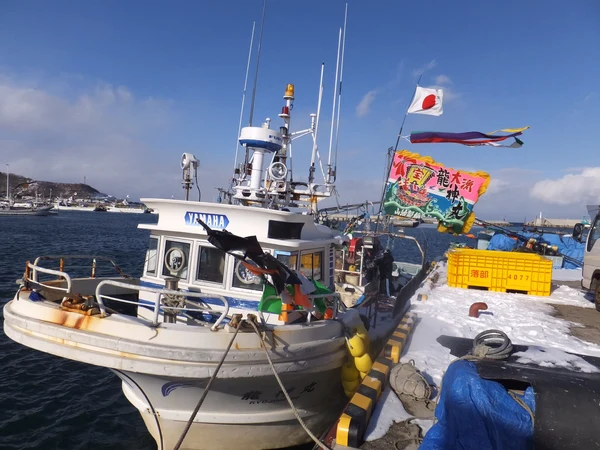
[237, 143]
[337, 68]
[311, 172]
[262, 26]
[337, 130]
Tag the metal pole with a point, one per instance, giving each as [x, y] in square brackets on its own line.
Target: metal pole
[316, 130]
[396, 149]
[262, 26]
[339, 106]
[7, 185]
[337, 68]
[237, 143]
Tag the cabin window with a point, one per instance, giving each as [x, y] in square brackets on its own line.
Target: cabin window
[311, 265]
[211, 264]
[594, 234]
[152, 256]
[284, 230]
[290, 259]
[244, 279]
[176, 259]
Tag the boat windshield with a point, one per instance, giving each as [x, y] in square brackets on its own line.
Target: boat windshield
[290, 259]
[311, 265]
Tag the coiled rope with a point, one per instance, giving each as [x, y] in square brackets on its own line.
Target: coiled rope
[491, 344]
[496, 345]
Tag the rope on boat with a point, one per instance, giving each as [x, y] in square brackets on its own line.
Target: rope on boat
[483, 349]
[287, 397]
[207, 389]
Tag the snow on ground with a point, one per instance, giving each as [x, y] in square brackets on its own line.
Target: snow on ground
[527, 320]
[389, 409]
[552, 357]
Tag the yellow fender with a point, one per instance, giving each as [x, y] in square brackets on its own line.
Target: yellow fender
[356, 346]
[363, 363]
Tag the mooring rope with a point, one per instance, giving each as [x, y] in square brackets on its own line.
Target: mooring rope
[206, 389]
[287, 397]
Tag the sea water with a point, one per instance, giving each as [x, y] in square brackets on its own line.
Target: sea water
[47, 402]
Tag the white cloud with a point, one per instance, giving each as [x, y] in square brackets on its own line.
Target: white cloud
[496, 186]
[582, 187]
[430, 65]
[442, 80]
[104, 133]
[449, 94]
[364, 106]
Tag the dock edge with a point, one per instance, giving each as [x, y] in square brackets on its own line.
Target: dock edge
[353, 422]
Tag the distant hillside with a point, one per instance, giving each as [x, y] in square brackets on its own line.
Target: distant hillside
[44, 189]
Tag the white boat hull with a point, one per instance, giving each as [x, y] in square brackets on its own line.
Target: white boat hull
[41, 211]
[245, 407]
[249, 413]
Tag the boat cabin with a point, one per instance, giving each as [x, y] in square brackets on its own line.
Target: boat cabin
[179, 251]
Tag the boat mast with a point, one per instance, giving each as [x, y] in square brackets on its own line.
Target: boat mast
[262, 27]
[337, 68]
[237, 143]
[7, 185]
[339, 106]
[311, 171]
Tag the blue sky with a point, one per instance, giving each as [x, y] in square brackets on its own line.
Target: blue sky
[116, 91]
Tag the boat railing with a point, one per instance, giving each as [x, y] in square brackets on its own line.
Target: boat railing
[93, 266]
[158, 305]
[336, 297]
[32, 271]
[351, 272]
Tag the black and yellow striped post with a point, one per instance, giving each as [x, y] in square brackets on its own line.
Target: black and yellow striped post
[393, 347]
[353, 422]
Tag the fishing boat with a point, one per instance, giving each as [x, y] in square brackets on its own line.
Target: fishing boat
[164, 333]
[234, 336]
[367, 270]
[100, 208]
[16, 209]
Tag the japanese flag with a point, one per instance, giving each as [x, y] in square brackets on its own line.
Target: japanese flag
[427, 101]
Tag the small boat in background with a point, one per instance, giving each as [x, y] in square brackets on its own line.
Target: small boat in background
[20, 209]
[100, 208]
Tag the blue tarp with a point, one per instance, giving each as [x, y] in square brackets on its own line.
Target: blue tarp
[566, 245]
[478, 414]
[501, 241]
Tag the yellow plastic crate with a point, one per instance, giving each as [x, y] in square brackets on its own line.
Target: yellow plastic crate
[492, 270]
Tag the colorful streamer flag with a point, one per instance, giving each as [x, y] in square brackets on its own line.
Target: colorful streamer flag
[427, 101]
[471, 138]
[418, 187]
